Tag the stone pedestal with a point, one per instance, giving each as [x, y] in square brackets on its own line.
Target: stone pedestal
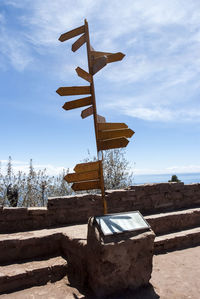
[120, 263]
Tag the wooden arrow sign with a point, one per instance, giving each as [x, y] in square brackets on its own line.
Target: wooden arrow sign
[115, 57]
[86, 185]
[111, 126]
[87, 112]
[100, 119]
[91, 48]
[112, 143]
[79, 43]
[73, 90]
[99, 63]
[111, 57]
[85, 167]
[72, 33]
[109, 134]
[83, 74]
[82, 176]
[77, 103]
[97, 54]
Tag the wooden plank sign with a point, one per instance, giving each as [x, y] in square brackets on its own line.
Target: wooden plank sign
[73, 90]
[99, 63]
[97, 54]
[77, 103]
[109, 134]
[86, 185]
[79, 43]
[111, 126]
[83, 74]
[87, 176]
[87, 112]
[85, 167]
[82, 176]
[100, 119]
[112, 143]
[115, 57]
[91, 48]
[111, 57]
[72, 33]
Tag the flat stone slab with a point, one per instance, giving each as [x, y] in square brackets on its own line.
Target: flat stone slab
[31, 273]
[78, 231]
[177, 240]
[32, 244]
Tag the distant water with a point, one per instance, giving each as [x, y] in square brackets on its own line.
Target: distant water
[186, 178]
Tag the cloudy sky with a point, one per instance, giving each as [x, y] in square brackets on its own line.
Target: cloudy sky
[155, 89]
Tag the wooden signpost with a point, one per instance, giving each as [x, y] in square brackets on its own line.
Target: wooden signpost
[88, 176]
[77, 103]
[87, 112]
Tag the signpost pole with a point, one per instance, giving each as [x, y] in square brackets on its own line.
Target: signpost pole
[90, 67]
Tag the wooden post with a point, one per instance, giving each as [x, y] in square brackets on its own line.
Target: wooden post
[90, 68]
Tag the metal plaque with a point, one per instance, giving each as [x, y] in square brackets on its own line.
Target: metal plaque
[122, 222]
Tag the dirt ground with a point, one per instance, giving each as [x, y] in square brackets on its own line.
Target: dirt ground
[176, 275]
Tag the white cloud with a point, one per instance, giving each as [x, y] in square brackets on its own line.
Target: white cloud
[2, 19]
[161, 40]
[168, 170]
[56, 170]
[162, 114]
[14, 50]
[24, 167]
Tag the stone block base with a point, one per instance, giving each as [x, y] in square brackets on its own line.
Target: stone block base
[118, 265]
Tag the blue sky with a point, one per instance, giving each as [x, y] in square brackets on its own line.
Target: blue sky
[155, 89]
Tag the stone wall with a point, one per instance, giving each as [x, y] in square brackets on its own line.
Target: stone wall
[147, 199]
[119, 264]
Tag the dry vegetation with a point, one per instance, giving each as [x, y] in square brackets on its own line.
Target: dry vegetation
[33, 189]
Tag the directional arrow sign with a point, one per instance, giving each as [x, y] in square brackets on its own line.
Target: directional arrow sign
[91, 48]
[111, 126]
[83, 176]
[79, 43]
[97, 54]
[83, 74]
[73, 90]
[109, 134]
[87, 112]
[86, 185]
[115, 57]
[77, 103]
[111, 57]
[72, 33]
[100, 119]
[112, 143]
[99, 63]
[85, 167]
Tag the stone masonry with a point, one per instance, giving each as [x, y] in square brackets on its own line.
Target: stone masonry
[78, 208]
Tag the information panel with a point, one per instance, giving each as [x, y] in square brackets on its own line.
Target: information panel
[122, 222]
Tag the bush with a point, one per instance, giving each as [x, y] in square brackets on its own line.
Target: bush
[174, 178]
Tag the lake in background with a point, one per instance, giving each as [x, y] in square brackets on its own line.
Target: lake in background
[186, 178]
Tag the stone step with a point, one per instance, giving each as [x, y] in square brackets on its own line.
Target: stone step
[29, 245]
[40, 243]
[165, 223]
[31, 273]
[177, 240]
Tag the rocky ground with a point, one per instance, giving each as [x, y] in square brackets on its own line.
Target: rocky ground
[176, 275]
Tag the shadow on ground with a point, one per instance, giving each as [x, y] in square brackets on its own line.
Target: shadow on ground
[147, 292]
